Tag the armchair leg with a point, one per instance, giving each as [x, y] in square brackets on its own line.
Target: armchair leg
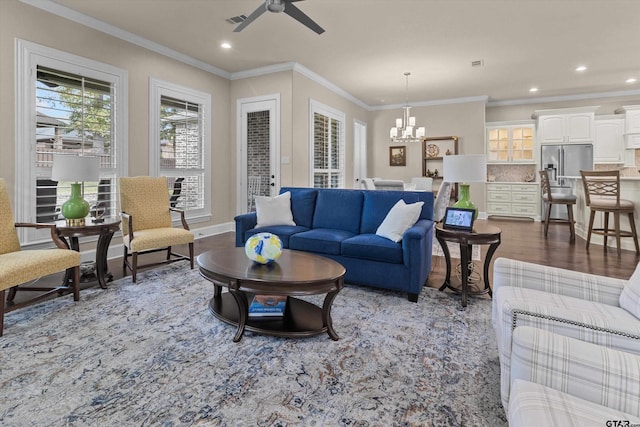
[191, 253]
[124, 260]
[2, 311]
[134, 269]
[12, 295]
[168, 253]
[76, 283]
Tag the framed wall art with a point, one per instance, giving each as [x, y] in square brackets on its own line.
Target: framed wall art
[398, 155]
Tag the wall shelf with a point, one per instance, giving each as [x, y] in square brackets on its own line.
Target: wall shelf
[431, 163]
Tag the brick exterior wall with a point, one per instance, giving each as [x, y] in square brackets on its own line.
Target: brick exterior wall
[258, 146]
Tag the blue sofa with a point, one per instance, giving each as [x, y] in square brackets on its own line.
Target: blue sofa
[341, 224]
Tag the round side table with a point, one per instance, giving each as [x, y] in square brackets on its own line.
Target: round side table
[482, 234]
[104, 230]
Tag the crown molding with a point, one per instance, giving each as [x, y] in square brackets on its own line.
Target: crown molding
[464, 100]
[599, 95]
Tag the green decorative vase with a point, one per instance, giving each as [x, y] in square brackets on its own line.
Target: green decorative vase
[465, 202]
[76, 207]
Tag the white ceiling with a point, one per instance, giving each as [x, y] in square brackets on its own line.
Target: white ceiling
[369, 44]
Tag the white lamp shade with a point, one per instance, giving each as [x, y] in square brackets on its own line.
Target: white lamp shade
[398, 123]
[465, 168]
[420, 132]
[70, 168]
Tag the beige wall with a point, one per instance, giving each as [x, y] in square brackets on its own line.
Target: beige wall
[466, 121]
[18, 20]
[305, 89]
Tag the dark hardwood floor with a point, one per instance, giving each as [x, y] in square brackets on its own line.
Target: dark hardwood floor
[521, 239]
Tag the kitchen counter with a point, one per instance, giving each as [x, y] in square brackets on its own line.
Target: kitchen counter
[629, 189]
[622, 178]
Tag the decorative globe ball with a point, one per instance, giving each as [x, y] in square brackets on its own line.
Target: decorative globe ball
[263, 248]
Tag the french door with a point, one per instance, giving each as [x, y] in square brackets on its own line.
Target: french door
[259, 149]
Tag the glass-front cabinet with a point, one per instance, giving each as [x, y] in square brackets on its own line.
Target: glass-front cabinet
[510, 142]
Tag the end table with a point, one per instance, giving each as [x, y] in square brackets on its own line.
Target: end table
[482, 234]
[104, 230]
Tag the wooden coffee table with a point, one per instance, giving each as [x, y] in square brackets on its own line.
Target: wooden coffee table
[293, 274]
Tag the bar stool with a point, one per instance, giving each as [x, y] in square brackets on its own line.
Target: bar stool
[602, 194]
[551, 199]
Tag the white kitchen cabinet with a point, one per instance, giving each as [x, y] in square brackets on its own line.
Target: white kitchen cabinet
[631, 115]
[563, 126]
[608, 145]
[510, 142]
[519, 199]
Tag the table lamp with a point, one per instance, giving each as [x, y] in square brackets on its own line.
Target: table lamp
[463, 169]
[75, 169]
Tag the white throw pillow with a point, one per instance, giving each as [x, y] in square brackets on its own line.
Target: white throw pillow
[630, 296]
[400, 218]
[274, 210]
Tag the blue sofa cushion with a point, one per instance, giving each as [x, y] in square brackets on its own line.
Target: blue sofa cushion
[377, 205]
[372, 247]
[284, 232]
[339, 210]
[303, 204]
[320, 240]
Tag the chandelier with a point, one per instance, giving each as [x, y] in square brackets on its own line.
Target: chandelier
[403, 130]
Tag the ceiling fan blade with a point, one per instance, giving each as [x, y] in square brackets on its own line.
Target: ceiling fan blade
[256, 13]
[301, 17]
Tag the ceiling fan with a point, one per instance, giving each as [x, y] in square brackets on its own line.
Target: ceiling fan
[277, 6]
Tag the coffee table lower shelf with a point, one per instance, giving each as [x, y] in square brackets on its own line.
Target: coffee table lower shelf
[301, 318]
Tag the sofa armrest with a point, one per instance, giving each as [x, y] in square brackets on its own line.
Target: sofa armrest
[590, 287]
[244, 222]
[595, 373]
[416, 249]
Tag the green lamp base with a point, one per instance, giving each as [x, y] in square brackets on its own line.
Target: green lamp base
[76, 208]
[465, 202]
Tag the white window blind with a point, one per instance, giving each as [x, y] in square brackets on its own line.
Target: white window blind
[74, 115]
[181, 150]
[328, 148]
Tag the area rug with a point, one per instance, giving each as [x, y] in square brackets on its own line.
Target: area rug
[151, 353]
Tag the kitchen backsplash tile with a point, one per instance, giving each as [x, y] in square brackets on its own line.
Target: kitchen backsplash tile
[511, 173]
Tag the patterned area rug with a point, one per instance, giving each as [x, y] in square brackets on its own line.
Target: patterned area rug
[151, 354]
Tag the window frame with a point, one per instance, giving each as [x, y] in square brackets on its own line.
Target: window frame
[157, 89]
[332, 113]
[28, 57]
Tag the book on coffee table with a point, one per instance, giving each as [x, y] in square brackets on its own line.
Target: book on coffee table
[267, 306]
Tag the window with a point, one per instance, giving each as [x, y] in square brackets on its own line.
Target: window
[327, 128]
[73, 116]
[66, 105]
[180, 141]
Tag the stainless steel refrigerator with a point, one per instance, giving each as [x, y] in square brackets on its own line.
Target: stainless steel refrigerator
[565, 160]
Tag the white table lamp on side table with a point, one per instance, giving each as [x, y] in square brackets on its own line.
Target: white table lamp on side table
[463, 169]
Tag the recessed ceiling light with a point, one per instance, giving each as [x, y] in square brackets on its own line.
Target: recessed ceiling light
[533, 89]
[631, 80]
[225, 45]
[581, 68]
